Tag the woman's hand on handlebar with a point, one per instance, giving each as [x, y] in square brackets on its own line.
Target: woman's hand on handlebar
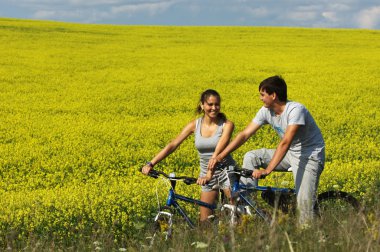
[146, 169]
[204, 180]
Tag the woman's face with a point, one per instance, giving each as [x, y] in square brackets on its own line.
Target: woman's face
[211, 106]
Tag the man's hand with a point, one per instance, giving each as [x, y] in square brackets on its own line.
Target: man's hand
[259, 173]
[213, 162]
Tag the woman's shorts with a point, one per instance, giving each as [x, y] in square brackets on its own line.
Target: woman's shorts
[218, 181]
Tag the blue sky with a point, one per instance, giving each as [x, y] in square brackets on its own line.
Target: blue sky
[294, 13]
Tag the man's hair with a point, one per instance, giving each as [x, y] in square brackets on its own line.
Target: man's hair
[275, 84]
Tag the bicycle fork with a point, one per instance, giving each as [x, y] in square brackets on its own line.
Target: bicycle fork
[234, 211]
[171, 201]
[164, 215]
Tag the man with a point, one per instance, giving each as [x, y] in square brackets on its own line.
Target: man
[301, 147]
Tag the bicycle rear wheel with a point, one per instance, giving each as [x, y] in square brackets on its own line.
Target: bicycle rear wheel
[284, 201]
[337, 205]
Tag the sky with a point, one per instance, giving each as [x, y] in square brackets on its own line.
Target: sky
[292, 13]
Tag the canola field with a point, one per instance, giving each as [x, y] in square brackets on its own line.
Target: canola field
[84, 107]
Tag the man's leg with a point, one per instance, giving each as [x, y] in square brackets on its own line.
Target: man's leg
[260, 159]
[306, 178]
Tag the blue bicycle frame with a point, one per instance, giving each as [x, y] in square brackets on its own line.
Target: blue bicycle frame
[173, 197]
[172, 201]
[239, 190]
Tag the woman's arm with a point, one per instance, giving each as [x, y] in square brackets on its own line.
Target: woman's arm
[172, 146]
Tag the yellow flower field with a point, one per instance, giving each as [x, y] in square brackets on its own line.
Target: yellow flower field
[83, 107]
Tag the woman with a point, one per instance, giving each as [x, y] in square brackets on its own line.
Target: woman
[212, 134]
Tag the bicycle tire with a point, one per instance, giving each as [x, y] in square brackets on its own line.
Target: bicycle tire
[286, 202]
[337, 203]
[161, 228]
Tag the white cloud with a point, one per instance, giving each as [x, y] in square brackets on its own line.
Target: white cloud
[258, 12]
[95, 10]
[194, 8]
[330, 15]
[37, 1]
[308, 8]
[47, 14]
[150, 8]
[302, 15]
[93, 2]
[369, 18]
[338, 7]
[305, 13]
[42, 14]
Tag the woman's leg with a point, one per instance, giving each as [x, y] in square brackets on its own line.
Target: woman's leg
[208, 197]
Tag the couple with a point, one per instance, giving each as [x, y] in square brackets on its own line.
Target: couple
[301, 147]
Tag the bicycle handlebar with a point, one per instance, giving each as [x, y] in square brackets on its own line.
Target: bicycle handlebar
[187, 180]
[245, 173]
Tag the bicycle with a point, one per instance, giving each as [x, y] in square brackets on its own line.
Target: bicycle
[283, 199]
[278, 198]
[163, 221]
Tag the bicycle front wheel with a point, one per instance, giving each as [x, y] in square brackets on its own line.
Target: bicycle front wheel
[337, 205]
[162, 227]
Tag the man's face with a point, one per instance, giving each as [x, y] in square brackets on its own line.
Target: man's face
[267, 99]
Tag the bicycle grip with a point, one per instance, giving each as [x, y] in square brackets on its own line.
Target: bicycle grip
[189, 181]
[246, 173]
[153, 174]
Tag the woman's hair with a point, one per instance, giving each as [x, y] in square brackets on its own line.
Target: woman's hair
[275, 84]
[204, 96]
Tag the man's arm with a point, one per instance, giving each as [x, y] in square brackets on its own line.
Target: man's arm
[280, 152]
[239, 140]
[228, 128]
